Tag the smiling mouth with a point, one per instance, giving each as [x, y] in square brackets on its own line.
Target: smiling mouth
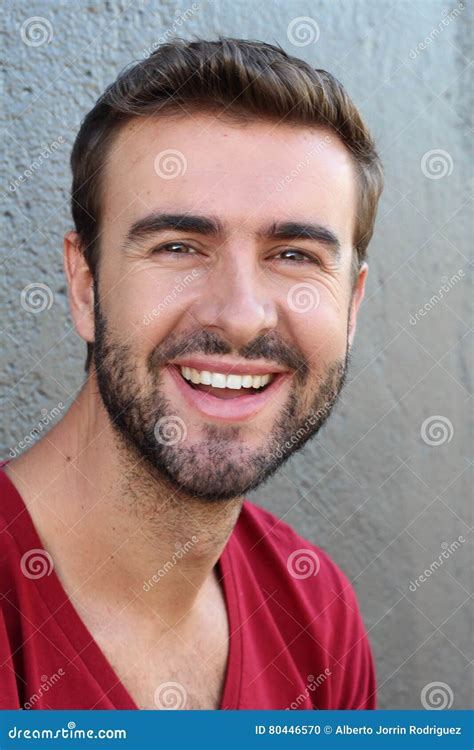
[227, 398]
[225, 386]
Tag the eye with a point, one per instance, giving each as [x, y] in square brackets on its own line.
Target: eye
[170, 247]
[302, 256]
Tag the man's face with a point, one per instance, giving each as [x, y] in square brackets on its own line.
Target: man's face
[242, 298]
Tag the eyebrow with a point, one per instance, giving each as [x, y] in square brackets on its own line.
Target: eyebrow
[213, 227]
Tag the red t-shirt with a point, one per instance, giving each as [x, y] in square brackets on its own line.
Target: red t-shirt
[297, 639]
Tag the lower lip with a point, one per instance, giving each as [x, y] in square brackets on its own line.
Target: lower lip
[231, 409]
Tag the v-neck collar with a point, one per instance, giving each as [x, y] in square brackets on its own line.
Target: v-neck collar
[86, 647]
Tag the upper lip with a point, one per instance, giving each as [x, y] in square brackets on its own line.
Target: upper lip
[227, 367]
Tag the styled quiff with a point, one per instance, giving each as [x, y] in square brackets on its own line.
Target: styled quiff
[235, 79]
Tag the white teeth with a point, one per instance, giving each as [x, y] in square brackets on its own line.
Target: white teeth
[234, 381]
[219, 380]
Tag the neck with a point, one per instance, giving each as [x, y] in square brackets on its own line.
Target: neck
[114, 526]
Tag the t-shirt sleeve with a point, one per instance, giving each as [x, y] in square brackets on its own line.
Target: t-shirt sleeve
[10, 653]
[358, 686]
[321, 599]
[364, 693]
[9, 698]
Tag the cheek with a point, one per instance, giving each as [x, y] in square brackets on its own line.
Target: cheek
[321, 333]
[144, 307]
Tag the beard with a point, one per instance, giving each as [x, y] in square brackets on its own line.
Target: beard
[221, 466]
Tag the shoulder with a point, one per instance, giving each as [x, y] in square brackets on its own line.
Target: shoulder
[272, 538]
[313, 601]
[302, 575]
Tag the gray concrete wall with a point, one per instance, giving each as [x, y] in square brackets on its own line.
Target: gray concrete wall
[385, 486]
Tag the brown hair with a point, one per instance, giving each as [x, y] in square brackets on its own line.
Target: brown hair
[239, 80]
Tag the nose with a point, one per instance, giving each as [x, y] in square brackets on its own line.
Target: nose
[237, 301]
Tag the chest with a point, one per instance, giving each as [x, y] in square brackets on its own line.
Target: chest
[173, 668]
[181, 679]
[173, 674]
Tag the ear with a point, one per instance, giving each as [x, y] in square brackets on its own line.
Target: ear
[357, 297]
[80, 285]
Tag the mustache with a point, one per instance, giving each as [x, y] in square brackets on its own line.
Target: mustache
[266, 347]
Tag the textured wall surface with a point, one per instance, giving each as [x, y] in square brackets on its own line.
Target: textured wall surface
[385, 486]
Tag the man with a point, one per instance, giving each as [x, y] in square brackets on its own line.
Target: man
[224, 195]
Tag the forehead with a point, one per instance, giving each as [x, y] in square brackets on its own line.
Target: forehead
[247, 174]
